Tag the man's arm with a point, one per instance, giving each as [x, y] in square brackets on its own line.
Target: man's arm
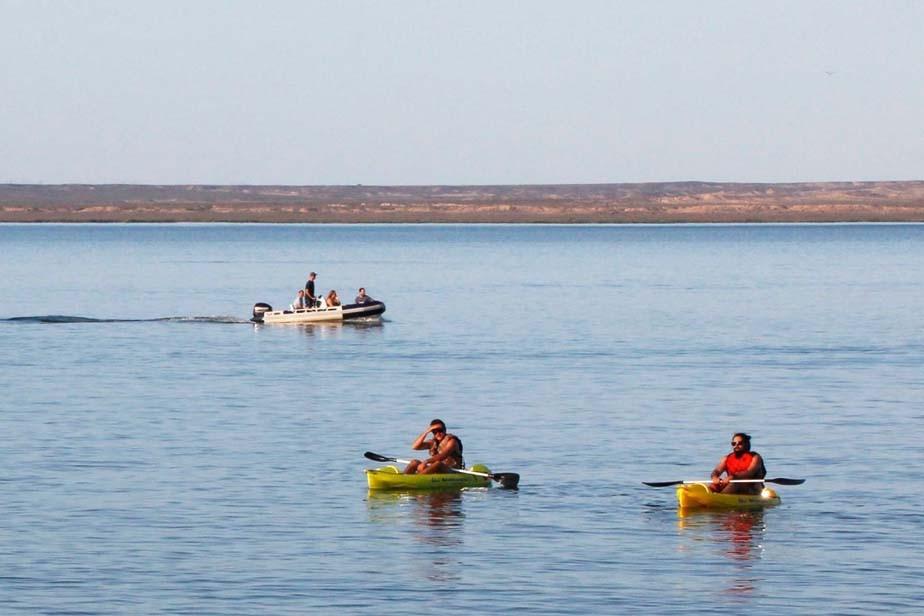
[421, 442]
[718, 470]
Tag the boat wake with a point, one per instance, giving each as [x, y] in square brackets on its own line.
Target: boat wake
[60, 318]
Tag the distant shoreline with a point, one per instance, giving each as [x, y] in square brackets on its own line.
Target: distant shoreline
[667, 202]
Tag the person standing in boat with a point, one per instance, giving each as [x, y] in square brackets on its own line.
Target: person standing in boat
[741, 463]
[362, 298]
[310, 298]
[445, 451]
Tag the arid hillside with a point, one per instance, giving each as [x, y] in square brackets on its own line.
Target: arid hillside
[569, 203]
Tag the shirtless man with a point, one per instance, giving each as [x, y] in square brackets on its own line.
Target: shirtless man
[741, 463]
[445, 451]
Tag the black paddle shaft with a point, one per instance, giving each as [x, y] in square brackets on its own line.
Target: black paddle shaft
[783, 481]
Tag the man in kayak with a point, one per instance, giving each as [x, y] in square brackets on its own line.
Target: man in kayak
[741, 463]
[445, 451]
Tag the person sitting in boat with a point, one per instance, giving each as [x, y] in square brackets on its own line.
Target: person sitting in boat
[300, 301]
[310, 298]
[332, 299]
[362, 298]
[445, 451]
[741, 463]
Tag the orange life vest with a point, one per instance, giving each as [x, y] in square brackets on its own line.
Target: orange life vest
[735, 465]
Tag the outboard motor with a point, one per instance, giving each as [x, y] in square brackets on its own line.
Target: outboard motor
[259, 309]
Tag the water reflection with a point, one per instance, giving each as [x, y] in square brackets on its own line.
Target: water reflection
[328, 330]
[737, 534]
[437, 518]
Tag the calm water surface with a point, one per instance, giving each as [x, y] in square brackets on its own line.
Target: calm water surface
[163, 455]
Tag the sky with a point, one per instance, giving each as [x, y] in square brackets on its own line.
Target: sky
[474, 92]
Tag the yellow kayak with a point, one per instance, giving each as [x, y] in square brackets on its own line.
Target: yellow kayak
[700, 496]
[391, 478]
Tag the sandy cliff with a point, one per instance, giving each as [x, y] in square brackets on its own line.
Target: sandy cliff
[568, 203]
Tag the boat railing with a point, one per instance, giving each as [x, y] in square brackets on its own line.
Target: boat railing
[321, 308]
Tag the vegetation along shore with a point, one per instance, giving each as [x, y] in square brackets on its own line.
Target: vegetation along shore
[667, 202]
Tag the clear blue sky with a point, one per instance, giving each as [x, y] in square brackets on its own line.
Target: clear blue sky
[472, 92]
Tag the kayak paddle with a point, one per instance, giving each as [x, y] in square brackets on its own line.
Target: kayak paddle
[783, 481]
[507, 480]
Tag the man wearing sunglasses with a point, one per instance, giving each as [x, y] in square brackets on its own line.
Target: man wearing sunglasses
[445, 451]
[741, 463]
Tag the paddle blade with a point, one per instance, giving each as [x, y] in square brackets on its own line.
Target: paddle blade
[662, 484]
[783, 481]
[378, 457]
[507, 480]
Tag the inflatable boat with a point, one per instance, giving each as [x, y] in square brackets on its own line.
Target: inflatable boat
[264, 313]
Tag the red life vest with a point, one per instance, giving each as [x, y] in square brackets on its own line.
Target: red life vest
[734, 465]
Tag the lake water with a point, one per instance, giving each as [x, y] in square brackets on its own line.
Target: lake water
[163, 455]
